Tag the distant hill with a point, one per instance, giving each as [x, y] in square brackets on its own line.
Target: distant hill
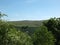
[27, 26]
[27, 23]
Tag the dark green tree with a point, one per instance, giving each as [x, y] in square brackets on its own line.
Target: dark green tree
[53, 25]
[43, 37]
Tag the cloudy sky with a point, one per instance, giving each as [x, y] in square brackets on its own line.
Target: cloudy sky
[30, 9]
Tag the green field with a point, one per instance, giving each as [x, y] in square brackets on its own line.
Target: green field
[27, 23]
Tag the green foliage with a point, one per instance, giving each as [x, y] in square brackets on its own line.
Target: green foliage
[3, 32]
[17, 37]
[53, 25]
[43, 37]
[10, 36]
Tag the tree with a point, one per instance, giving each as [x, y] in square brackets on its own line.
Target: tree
[43, 37]
[53, 25]
[2, 15]
[16, 37]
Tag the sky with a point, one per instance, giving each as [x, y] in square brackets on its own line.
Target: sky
[30, 9]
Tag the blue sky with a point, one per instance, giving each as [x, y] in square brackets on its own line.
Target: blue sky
[30, 9]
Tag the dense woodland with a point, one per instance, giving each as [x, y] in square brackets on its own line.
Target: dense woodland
[47, 33]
